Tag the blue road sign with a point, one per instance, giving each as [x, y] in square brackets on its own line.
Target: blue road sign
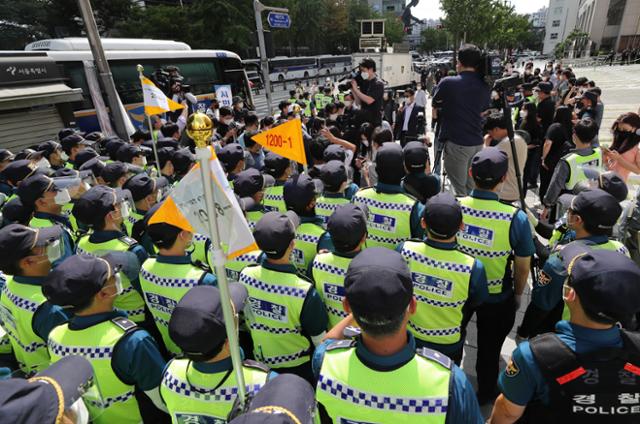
[278, 20]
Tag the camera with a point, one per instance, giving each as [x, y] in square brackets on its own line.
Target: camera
[344, 84]
[490, 67]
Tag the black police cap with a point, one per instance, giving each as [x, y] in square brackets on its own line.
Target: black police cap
[416, 156]
[390, 163]
[142, 185]
[275, 231]
[114, 171]
[489, 165]
[18, 170]
[230, 155]
[347, 225]
[127, 152]
[18, 241]
[443, 215]
[275, 165]
[298, 192]
[597, 207]
[334, 152]
[251, 181]
[333, 174]
[92, 207]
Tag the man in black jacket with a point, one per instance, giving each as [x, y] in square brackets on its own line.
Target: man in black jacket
[406, 126]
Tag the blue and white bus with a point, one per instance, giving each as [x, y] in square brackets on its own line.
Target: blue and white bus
[292, 68]
[201, 69]
[334, 65]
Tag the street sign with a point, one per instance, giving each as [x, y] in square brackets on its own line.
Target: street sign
[370, 43]
[278, 20]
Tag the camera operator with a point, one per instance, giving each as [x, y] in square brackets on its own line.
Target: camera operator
[369, 93]
[226, 130]
[461, 100]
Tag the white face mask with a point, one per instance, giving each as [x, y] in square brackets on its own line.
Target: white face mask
[64, 157]
[62, 197]
[124, 210]
[54, 251]
[348, 103]
[118, 284]
[333, 116]
[143, 161]
[241, 105]
[523, 114]
[43, 164]
[227, 121]
[364, 75]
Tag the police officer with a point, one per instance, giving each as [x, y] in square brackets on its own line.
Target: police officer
[197, 326]
[279, 168]
[232, 158]
[52, 152]
[591, 216]
[145, 192]
[347, 227]
[300, 197]
[285, 314]
[166, 278]
[115, 174]
[5, 159]
[394, 216]
[17, 171]
[183, 160]
[570, 170]
[104, 209]
[448, 283]
[419, 181]
[71, 146]
[359, 380]
[586, 371]
[27, 255]
[499, 235]
[47, 199]
[252, 184]
[337, 190]
[125, 358]
[132, 154]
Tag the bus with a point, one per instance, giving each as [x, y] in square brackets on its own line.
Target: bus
[202, 70]
[331, 65]
[292, 68]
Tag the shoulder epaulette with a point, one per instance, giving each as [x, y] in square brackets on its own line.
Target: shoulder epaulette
[128, 241]
[435, 356]
[124, 323]
[255, 365]
[341, 344]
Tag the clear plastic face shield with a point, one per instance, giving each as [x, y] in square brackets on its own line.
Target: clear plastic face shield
[67, 189]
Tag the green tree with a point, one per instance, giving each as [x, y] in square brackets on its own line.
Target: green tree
[393, 28]
[433, 39]
[560, 50]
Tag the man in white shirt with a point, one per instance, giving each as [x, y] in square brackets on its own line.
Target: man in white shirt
[421, 96]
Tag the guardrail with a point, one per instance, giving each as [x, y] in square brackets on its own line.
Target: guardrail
[596, 61]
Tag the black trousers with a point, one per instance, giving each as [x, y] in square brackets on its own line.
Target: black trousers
[494, 321]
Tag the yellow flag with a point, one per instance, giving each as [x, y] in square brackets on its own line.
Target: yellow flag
[284, 140]
[155, 102]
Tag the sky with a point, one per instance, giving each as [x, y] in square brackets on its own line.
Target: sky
[430, 9]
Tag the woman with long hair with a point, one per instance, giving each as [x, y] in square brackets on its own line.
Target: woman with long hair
[622, 156]
[556, 144]
[530, 124]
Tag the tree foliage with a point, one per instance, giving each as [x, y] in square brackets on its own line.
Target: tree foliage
[433, 39]
[560, 50]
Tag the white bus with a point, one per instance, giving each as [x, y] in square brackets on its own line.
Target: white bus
[292, 68]
[202, 71]
[332, 65]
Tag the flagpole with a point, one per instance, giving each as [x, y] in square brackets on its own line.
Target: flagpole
[200, 129]
[140, 69]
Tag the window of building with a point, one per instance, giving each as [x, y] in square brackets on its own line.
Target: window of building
[556, 23]
[554, 36]
[557, 11]
[615, 12]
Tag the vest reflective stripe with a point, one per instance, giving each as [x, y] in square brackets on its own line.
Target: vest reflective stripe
[306, 245]
[576, 164]
[234, 266]
[326, 206]
[131, 220]
[200, 253]
[328, 272]
[274, 199]
[190, 393]
[486, 236]
[441, 281]
[273, 313]
[163, 286]
[326, 100]
[389, 220]
[130, 300]
[96, 344]
[253, 217]
[418, 392]
[18, 303]
[609, 245]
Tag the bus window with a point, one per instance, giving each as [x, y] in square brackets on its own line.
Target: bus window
[74, 73]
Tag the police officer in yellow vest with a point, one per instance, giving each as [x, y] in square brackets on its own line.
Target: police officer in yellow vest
[115, 174]
[252, 184]
[347, 227]
[202, 387]
[285, 314]
[232, 158]
[592, 215]
[300, 197]
[570, 170]
[145, 192]
[47, 196]
[52, 152]
[71, 146]
[166, 278]
[448, 284]
[586, 371]
[125, 359]
[499, 235]
[381, 376]
[103, 209]
[16, 171]
[280, 169]
[337, 190]
[27, 255]
[394, 216]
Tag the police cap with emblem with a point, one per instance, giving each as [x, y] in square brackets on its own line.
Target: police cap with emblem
[416, 156]
[286, 399]
[96, 203]
[347, 226]
[597, 208]
[607, 282]
[489, 165]
[79, 277]
[443, 215]
[378, 285]
[275, 231]
[197, 322]
[44, 398]
[251, 181]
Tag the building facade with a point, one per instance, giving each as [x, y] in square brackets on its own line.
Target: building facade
[610, 25]
[561, 20]
[539, 19]
[383, 6]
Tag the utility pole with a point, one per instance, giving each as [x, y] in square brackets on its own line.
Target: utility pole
[258, 8]
[104, 73]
